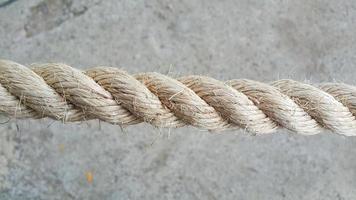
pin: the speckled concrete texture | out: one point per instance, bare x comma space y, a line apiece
307, 40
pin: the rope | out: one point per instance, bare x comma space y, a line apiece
63, 93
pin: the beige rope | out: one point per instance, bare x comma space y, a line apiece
63, 93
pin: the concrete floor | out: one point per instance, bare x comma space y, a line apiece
311, 40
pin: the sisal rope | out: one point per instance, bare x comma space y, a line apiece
63, 93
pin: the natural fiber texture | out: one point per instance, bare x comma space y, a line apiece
63, 93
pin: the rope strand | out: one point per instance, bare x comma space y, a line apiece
63, 93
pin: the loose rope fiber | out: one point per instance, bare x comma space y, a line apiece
63, 93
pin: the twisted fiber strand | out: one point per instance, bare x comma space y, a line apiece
63, 93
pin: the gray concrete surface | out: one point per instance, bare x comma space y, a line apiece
311, 40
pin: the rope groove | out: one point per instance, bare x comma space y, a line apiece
63, 93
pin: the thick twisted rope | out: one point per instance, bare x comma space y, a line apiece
63, 93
